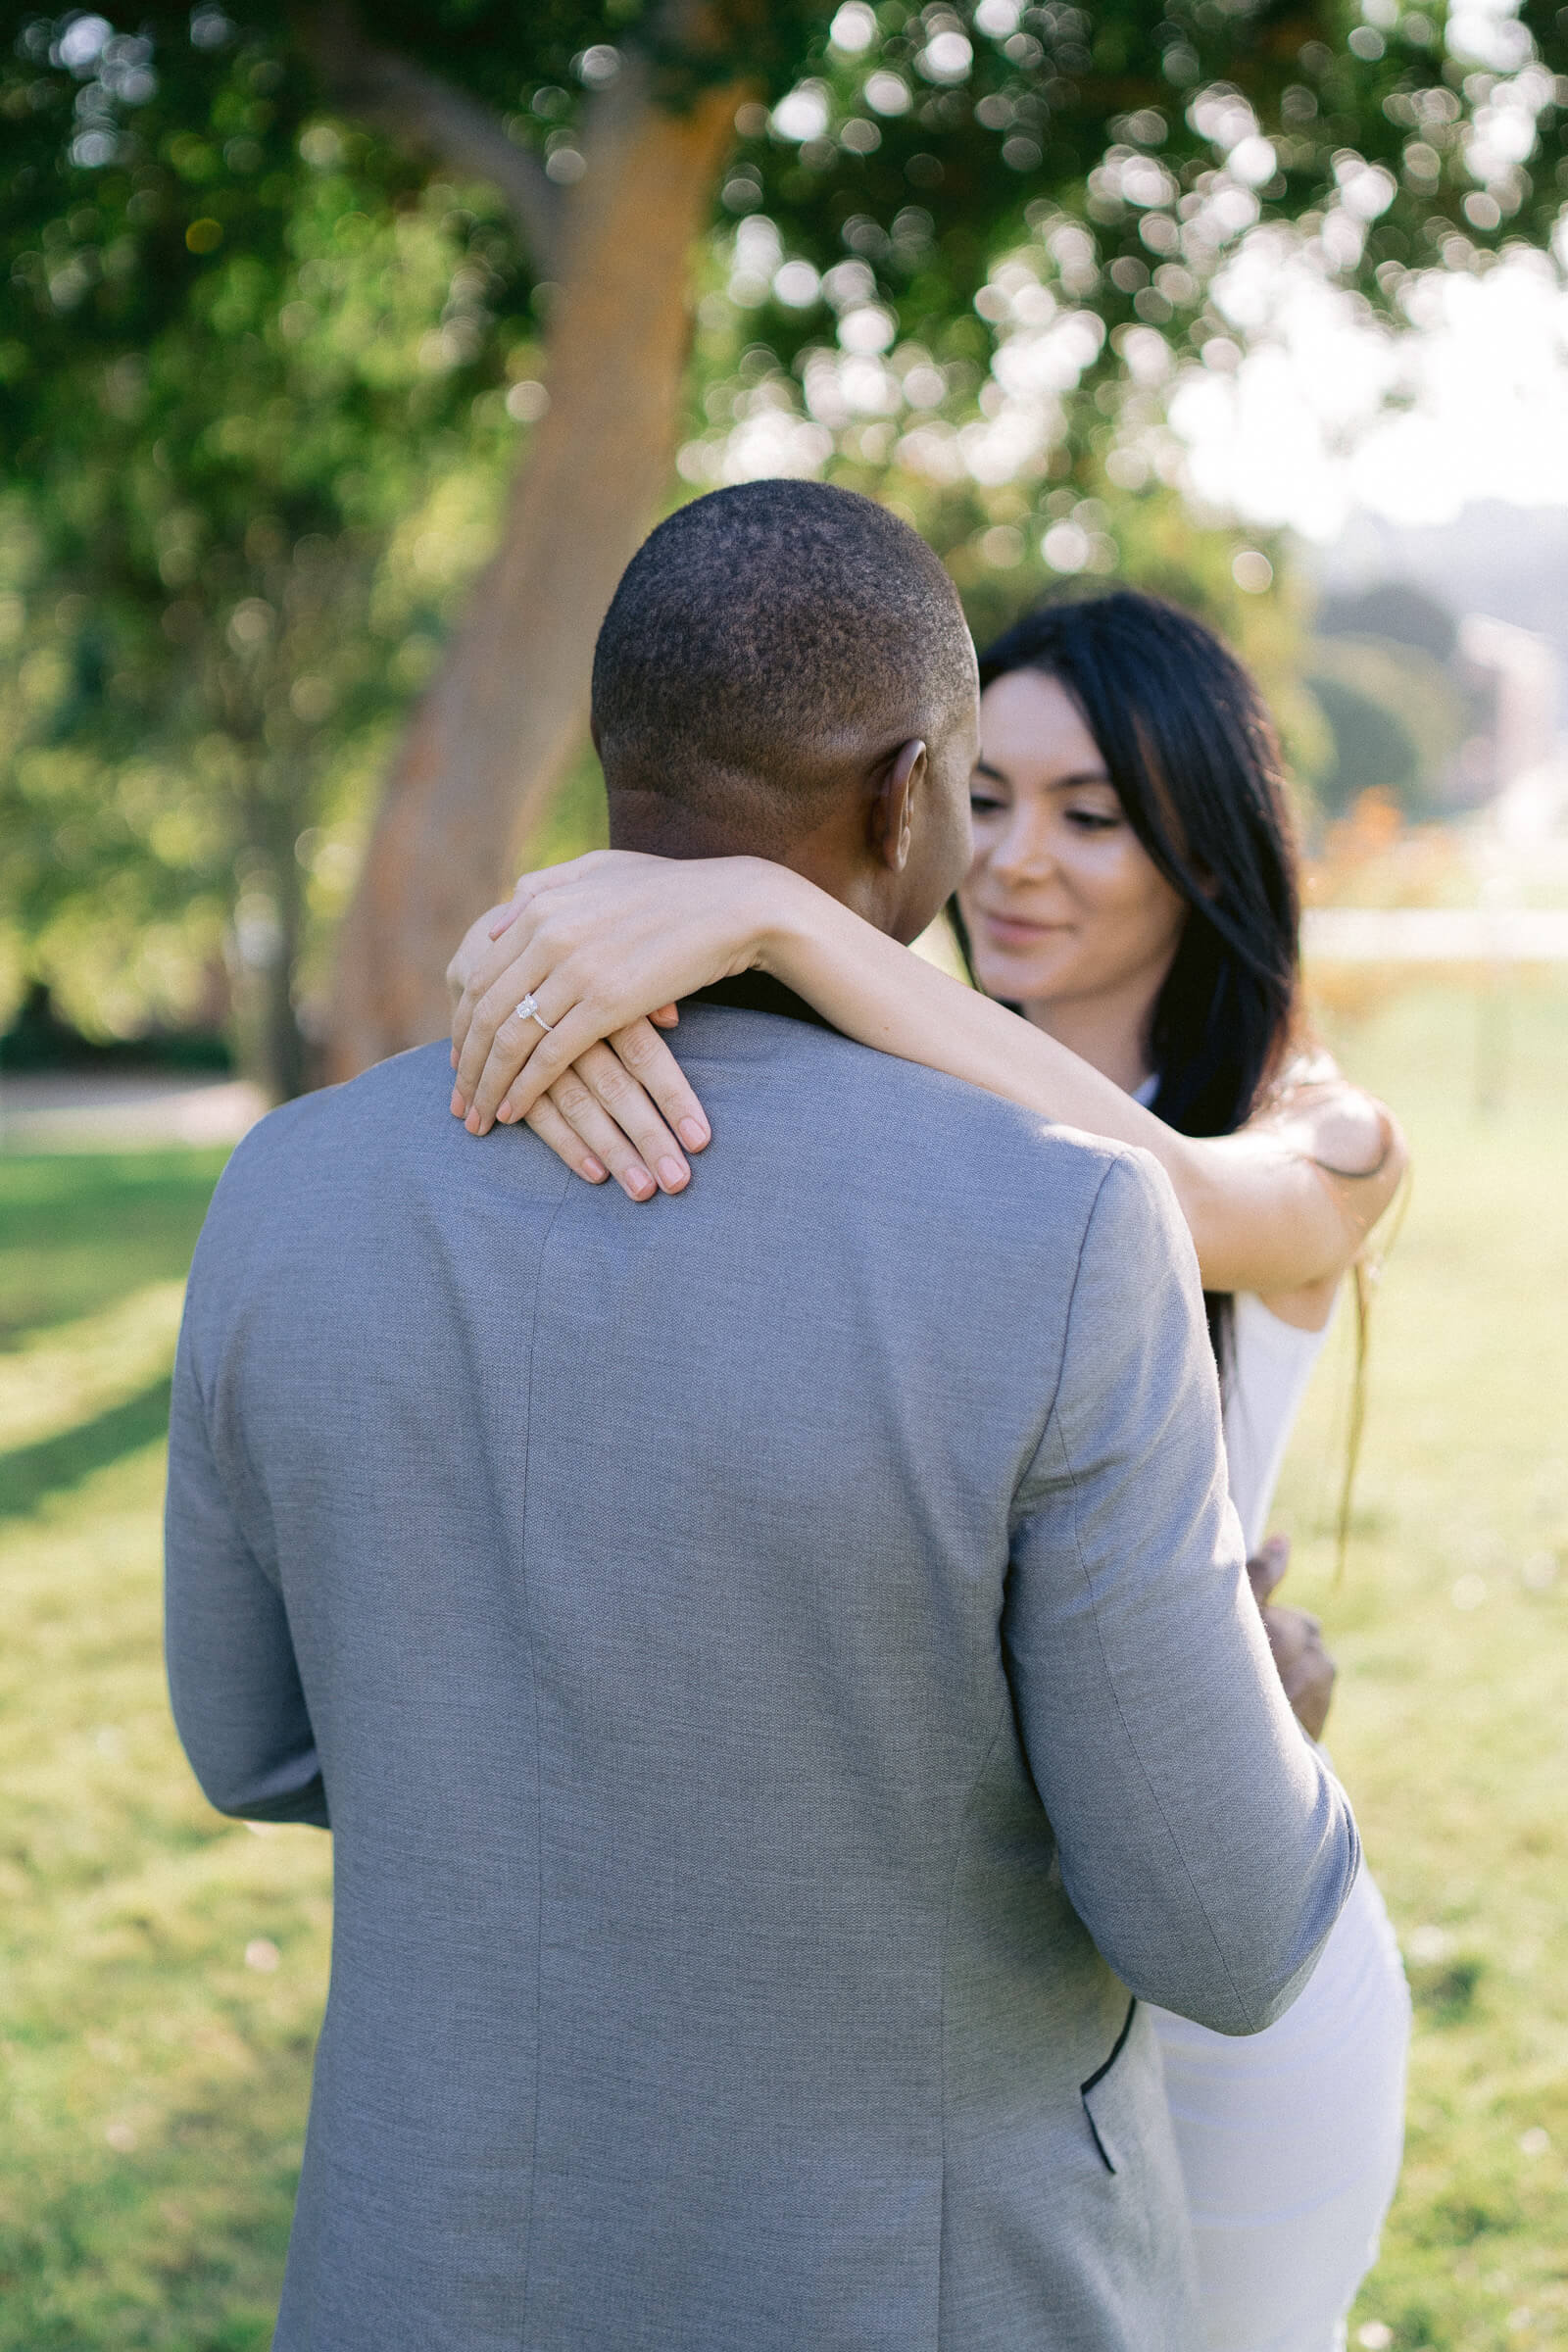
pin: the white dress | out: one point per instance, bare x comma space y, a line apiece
1290, 2140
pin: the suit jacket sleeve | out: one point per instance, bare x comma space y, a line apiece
1202, 1841
238, 1703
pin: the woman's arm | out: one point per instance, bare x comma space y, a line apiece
1264, 1212
605, 940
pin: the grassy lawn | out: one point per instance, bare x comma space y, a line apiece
163, 1971
1450, 1726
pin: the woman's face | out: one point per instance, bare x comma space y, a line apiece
1062, 901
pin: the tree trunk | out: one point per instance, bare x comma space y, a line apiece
505, 713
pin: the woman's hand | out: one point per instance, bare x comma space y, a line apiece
607, 1115
602, 1118
1357, 1155
603, 946
1294, 1639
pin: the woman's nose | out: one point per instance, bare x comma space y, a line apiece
1023, 854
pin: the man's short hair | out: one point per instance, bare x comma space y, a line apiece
761, 634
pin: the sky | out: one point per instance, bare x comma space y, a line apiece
1307, 410
1328, 414
1297, 434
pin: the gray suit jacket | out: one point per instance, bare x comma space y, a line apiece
777, 1668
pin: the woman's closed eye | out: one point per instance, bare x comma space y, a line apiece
1093, 820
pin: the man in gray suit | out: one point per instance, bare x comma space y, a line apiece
776, 1664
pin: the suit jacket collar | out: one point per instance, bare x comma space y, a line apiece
759, 991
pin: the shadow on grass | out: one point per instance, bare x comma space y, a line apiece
79, 1232
31, 1472
1445, 1994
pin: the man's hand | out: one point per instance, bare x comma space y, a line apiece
1296, 1640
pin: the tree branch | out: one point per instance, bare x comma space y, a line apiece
419, 111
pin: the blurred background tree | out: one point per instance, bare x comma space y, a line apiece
298, 289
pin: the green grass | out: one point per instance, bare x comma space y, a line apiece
1451, 1725
154, 2082
156, 2078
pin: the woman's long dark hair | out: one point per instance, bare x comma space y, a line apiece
1196, 762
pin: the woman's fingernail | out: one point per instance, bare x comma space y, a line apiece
639, 1183
504, 1113
459, 1106
594, 1170
693, 1134
471, 1122
671, 1175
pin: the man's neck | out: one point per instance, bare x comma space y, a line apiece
657, 827
648, 823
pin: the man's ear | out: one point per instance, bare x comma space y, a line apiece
892, 817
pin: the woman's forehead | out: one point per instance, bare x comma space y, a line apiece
1031, 722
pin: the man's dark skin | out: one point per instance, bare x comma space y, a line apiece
893, 846
895, 833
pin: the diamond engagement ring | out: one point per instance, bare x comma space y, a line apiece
528, 1010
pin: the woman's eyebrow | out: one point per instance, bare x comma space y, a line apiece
1080, 776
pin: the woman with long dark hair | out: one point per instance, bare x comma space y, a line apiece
1133, 904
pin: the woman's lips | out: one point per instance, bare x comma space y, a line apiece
1016, 931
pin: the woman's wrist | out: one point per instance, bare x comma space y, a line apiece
785, 917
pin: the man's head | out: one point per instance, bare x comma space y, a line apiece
785, 671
